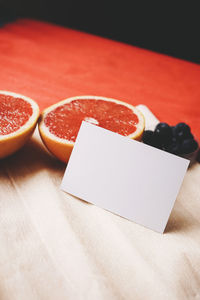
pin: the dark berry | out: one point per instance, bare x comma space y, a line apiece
174, 140
190, 136
163, 129
188, 146
158, 141
181, 131
173, 148
148, 137
183, 126
163, 133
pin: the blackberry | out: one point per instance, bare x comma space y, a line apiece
148, 137
163, 134
181, 131
188, 146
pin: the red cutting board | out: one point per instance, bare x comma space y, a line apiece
50, 63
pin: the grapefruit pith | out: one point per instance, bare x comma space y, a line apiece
18, 118
59, 124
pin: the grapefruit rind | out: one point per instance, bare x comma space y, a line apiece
13, 141
62, 148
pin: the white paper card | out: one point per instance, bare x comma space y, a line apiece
126, 177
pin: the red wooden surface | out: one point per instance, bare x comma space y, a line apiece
49, 63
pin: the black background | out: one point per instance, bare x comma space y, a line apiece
172, 28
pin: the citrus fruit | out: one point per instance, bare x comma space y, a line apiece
18, 118
59, 124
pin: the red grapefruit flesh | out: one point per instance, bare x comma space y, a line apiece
65, 120
60, 123
18, 118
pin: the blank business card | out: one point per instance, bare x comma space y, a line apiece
126, 177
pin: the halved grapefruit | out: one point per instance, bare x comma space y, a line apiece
18, 118
59, 124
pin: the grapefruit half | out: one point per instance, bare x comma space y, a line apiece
59, 124
18, 118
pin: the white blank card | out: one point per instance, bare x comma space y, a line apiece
126, 177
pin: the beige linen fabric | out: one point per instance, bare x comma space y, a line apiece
56, 247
